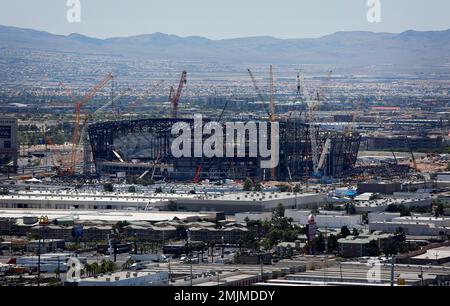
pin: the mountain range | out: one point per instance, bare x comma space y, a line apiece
410, 48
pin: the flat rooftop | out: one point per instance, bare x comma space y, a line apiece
438, 253
100, 215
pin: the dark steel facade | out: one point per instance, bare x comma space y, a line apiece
147, 140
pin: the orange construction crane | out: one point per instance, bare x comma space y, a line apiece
88, 97
175, 97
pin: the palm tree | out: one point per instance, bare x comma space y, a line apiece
88, 269
95, 269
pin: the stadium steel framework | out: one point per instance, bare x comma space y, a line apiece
136, 146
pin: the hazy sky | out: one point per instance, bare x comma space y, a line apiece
225, 18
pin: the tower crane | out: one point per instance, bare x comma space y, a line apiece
174, 97
88, 97
318, 161
257, 89
271, 112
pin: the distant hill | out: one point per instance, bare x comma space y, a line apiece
341, 48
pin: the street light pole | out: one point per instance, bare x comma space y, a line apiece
39, 263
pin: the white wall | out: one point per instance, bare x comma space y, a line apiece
331, 221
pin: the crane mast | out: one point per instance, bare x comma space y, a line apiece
88, 97
175, 97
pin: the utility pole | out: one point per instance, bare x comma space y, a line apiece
392, 270
170, 272
39, 263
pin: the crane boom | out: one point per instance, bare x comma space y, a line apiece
78, 106
175, 97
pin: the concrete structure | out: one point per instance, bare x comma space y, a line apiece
112, 216
437, 256
381, 205
252, 216
9, 147
355, 274
325, 219
443, 177
362, 245
251, 201
382, 216
124, 278
233, 235
411, 226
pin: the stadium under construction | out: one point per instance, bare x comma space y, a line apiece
143, 148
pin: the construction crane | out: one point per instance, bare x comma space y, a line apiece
312, 106
325, 152
75, 141
174, 97
413, 159
271, 112
113, 101
257, 89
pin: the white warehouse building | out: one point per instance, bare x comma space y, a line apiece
325, 219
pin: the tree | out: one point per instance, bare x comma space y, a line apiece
320, 243
258, 187
181, 231
332, 243
439, 210
172, 206
372, 249
132, 189
392, 208
355, 232
279, 211
119, 226
297, 188
404, 211
248, 184
158, 190
345, 232
108, 187
350, 209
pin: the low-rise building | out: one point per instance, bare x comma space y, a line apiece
252, 216
380, 205
363, 245
325, 219
252, 202
125, 278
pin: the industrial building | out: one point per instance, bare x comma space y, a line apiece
360, 246
415, 226
325, 219
141, 146
380, 205
251, 202
9, 146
